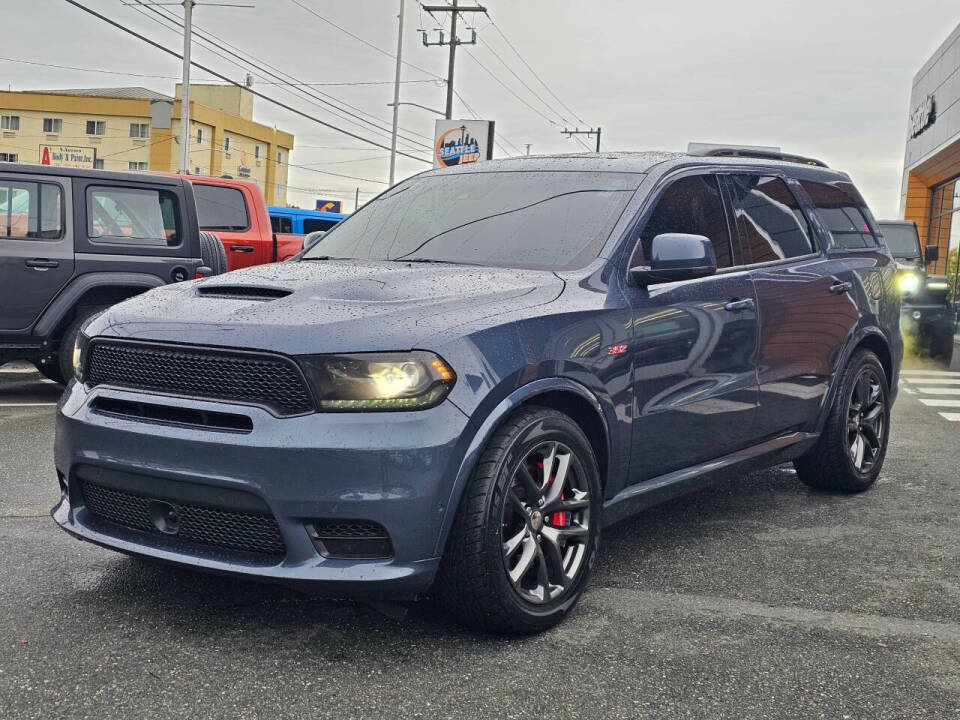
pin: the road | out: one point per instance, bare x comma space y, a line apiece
754, 599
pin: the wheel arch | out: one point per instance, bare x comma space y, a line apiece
559, 393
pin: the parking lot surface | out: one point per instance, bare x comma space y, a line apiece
757, 598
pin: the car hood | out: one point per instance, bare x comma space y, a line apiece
328, 306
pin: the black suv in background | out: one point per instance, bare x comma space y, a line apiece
73, 242
928, 317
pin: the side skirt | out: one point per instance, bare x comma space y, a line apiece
657, 490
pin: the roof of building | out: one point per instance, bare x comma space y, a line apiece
125, 93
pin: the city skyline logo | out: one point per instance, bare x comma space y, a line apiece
457, 147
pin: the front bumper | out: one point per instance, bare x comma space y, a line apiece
394, 469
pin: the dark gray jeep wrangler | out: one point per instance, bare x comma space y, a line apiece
74, 241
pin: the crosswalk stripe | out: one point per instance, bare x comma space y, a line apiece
952, 417
933, 381
939, 402
908, 390
935, 373
939, 390
28, 404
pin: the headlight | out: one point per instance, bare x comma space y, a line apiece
79, 352
937, 286
378, 381
908, 283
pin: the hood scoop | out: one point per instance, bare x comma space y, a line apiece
242, 292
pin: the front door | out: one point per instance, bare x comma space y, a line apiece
694, 342
36, 247
807, 311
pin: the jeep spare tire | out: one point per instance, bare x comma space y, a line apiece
212, 253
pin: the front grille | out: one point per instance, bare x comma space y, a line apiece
196, 524
244, 377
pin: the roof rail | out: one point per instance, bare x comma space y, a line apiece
700, 150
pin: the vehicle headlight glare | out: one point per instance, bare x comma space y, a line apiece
908, 283
362, 382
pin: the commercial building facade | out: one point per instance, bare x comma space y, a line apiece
930, 191
124, 129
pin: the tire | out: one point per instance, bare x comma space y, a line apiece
832, 464
51, 371
473, 583
942, 344
212, 253
67, 341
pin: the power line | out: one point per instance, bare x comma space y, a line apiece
175, 54
201, 34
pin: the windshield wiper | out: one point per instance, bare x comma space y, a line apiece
432, 261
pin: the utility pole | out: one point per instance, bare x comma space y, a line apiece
454, 10
571, 133
396, 98
528, 147
356, 201
185, 88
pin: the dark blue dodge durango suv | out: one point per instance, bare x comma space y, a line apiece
462, 382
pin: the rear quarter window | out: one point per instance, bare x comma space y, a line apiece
132, 216
843, 212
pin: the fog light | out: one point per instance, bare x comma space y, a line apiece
916, 314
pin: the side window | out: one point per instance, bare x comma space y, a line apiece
281, 224
771, 224
132, 216
221, 208
310, 226
691, 205
844, 214
31, 211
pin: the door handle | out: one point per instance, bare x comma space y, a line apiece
241, 248
838, 288
739, 305
42, 263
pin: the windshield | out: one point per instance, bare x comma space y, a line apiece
902, 240
540, 220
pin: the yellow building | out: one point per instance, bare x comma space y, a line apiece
111, 128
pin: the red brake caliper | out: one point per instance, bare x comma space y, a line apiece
557, 519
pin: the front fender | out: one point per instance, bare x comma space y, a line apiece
486, 427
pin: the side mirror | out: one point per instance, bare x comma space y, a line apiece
204, 271
931, 253
676, 256
312, 239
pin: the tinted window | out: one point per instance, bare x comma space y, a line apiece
221, 208
310, 226
281, 224
770, 221
545, 220
691, 205
902, 240
30, 210
132, 216
844, 215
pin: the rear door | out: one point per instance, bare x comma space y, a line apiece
36, 246
694, 342
226, 211
806, 308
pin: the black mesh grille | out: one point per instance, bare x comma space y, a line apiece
198, 524
268, 380
349, 529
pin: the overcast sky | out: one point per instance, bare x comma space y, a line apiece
827, 78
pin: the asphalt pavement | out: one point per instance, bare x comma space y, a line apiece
758, 598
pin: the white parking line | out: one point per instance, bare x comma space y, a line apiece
933, 381
940, 390
934, 373
908, 390
28, 404
939, 402
952, 417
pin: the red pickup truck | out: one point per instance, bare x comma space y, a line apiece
237, 212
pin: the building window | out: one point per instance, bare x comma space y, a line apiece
9, 157
98, 164
9, 122
53, 126
137, 165
197, 171
199, 136
139, 130
96, 127
227, 144
257, 154
279, 158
